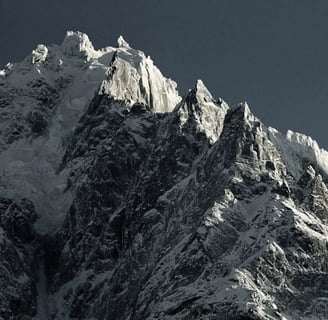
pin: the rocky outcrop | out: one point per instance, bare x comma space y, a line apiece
19, 245
148, 207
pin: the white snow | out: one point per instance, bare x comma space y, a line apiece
295, 146
29, 166
40, 54
121, 43
78, 44
134, 78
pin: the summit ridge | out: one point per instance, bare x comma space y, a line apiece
121, 200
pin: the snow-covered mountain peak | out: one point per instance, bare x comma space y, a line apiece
242, 108
217, 215
199, 85
199, 111
246, 146
201, 95
133, 78
78, 44
42, 99
241, 112
243, 115
202, 92
121, 43
297, 148
40, 54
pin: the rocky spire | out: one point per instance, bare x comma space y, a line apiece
133, 78
121, 43
78, 44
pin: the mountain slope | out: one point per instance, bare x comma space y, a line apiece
149, 206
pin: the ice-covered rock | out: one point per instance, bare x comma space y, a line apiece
39, 55
199, 110
133, 78
121, 43
120, 200
78, 44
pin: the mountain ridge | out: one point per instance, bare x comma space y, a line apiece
135, 203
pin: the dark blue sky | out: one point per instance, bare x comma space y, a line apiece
273, 54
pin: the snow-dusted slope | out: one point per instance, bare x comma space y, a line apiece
42, 100
132, 77
297, 147
148, 206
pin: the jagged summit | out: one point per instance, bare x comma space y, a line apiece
199, 110
40, 54
201, 88
243, 110
202, 92
119, 200
121, 43
133, 78
243, 107
77, 44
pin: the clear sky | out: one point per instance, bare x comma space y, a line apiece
271, 53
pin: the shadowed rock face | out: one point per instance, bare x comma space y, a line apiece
19, 244
189, 210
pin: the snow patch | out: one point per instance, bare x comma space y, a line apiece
40, 54
78, 44
294, 147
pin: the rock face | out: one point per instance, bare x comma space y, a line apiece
120, 200
19, 246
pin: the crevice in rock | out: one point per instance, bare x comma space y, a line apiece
41, 282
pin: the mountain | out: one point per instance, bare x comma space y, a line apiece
121, 200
